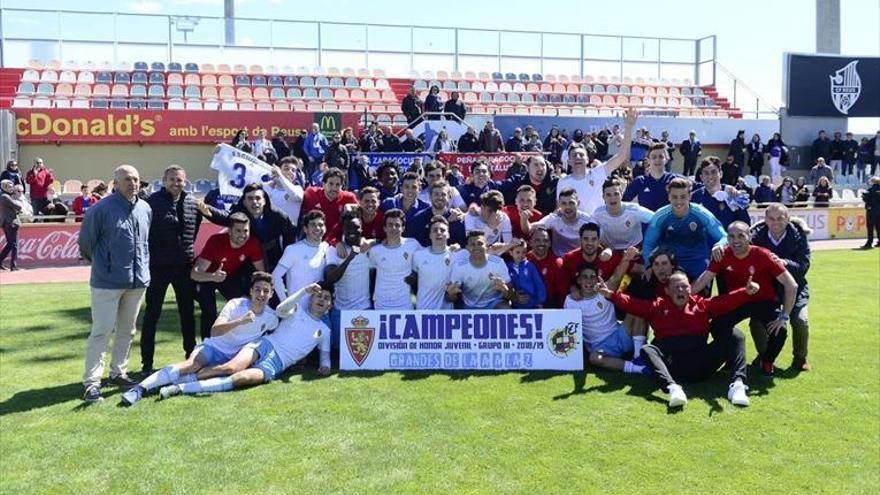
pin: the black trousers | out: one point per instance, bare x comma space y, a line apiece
11, 247
691, 359
184, 288
206, 295
764, 311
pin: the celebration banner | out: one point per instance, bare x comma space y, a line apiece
461, 340
498, 162
73, 125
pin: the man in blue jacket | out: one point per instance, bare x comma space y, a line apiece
114, 237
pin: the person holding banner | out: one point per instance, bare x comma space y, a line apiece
300, 331
679, 351
392, 260
419, 228
587, 179
481, 280
432, 267
303, 262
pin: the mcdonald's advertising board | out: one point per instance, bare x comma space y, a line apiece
35, 125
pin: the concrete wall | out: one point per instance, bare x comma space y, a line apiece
94, 161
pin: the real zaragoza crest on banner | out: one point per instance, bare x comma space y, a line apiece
846, 85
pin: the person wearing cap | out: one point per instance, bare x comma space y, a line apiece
690, 149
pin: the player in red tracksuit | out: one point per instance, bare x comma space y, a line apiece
680, 351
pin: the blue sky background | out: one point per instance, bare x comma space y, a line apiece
752, 34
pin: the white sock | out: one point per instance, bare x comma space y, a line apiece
638, 342
218, 384
162, 377
629, 367
186, 378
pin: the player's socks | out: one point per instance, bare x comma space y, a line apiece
164, 376
211, 385
629, 367
638, 342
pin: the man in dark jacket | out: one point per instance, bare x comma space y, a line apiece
411, 106
787, 239
173, 230
270, 225
455, 106
468, 142
821, 147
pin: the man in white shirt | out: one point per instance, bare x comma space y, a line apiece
588, 181
565, 223
481, 279
283, 191
432, 267
300, 331
621, 222
242, 321
303, 262
392, 260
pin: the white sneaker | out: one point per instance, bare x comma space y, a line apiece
736, 394
677, 398
169, 391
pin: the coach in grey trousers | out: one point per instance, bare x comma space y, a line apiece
114, 238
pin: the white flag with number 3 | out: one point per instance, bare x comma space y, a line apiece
236, 169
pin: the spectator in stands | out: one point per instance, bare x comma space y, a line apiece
670, 149
10, 221
756, 151
83, 202
369, 141
337, 155
411, 144
262, 143
389, 142
279, 143
469, 142
173, 230
690, 149
269, 225
730, 170
737, 148
764, 193
554, 144
515, 143
411, 106
480, 183
443, 143
865, 158
433, 103
821, 148
821, 169
822, 193
241, 142
315, 146
650, 188
490, 139
871, 197
533, 143
850, 154
836, 147
387, 179
455, 106
40, 179
802, 197
55, 207
786, 192
12, 173
112, 237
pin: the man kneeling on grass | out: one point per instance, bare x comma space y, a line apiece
680, 351
260, 362
242, 321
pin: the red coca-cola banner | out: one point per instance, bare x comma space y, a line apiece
56, 244
498, 162
72, 125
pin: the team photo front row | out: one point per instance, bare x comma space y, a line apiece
628, 270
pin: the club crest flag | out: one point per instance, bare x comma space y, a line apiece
236, 169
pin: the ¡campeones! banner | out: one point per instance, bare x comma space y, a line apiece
461, 340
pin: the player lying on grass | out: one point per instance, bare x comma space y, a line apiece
679, 351
299, 332
242, 321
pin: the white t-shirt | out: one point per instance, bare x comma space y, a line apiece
289, 202
503, 233
434, 270
565, 235
232, 341
477, 289
297, 335
353, 289
392, 266
589, 189
454, 202
624, 230
301, 264
598, 318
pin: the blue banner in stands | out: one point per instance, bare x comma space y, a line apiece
832, 86
403, 160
